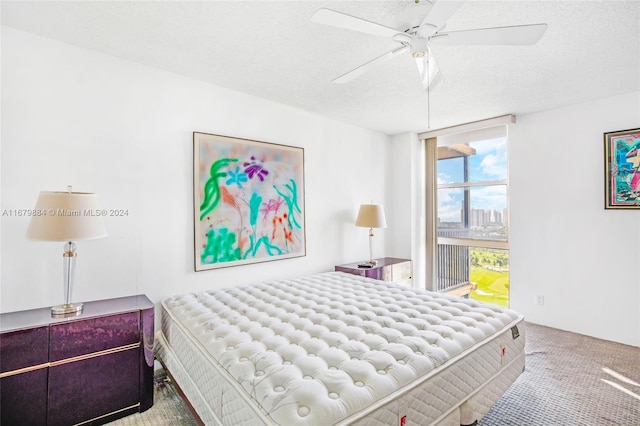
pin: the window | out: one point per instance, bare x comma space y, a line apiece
469, 214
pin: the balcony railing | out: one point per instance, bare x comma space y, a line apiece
453, 262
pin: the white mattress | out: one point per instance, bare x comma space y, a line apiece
336, 348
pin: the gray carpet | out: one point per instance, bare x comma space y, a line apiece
168, 407
569, 379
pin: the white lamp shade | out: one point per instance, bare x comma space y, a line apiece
66, 216
371, 216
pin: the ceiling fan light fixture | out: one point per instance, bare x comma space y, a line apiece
418, 47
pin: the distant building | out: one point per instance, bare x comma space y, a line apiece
484, 217
480, 218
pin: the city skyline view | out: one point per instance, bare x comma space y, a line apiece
487, 164
480, 217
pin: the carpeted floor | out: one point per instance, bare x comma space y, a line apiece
168, 407
569, 379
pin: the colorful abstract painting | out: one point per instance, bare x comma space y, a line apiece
248, 201
622, 169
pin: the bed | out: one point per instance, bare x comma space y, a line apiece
338, 349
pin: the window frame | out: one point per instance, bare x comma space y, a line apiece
432, 240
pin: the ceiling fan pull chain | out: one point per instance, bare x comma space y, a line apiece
428, 101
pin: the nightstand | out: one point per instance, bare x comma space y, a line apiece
87, 369
399, 271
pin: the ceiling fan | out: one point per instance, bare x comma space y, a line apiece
420, 26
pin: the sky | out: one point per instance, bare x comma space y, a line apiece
489, 164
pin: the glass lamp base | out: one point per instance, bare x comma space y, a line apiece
67, 310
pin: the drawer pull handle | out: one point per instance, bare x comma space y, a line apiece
68, 360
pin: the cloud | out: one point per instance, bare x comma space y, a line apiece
495, 164
449, 204
489, 197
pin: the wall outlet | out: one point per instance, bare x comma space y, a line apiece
540, 300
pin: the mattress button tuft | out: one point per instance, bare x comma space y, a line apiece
303, 411
259, 373
279, 389
333, 395
359, 383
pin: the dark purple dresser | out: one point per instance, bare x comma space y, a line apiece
88, 369
393, 269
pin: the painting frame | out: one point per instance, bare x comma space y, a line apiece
248, 201
622, 169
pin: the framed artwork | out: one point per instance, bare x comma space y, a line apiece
622, 169
248, 201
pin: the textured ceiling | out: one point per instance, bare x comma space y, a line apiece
271, 49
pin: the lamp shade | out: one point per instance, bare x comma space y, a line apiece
66, 216
371, 216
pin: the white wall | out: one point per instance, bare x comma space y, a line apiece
398, 189
583, 259
124, 131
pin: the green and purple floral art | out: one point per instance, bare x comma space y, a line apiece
249, 201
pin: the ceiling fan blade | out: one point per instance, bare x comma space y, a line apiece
439, 14
430, 74
342, 20
518, 35
346, 77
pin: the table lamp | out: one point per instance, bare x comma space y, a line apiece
371, 216
67, 216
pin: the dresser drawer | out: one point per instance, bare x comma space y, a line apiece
85, 389
83, 337
23, 398
402, 271
23, 348
397, 272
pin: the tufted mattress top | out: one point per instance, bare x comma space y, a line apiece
318, 349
